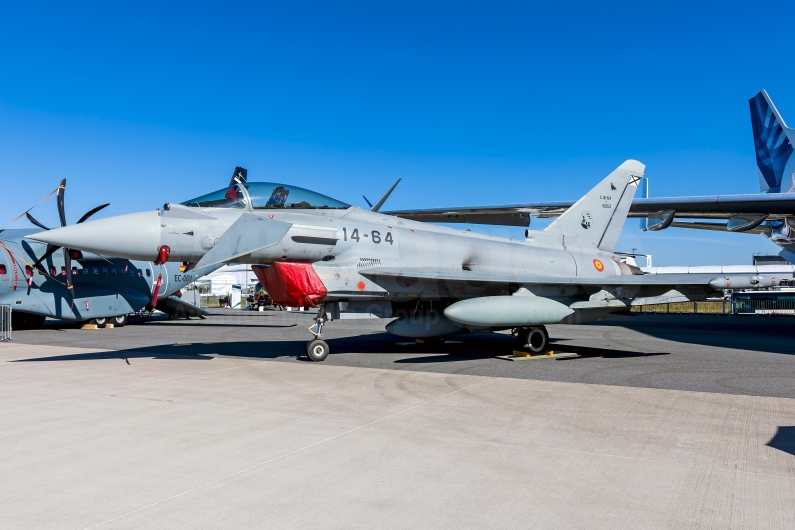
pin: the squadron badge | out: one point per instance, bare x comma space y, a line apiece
585, 220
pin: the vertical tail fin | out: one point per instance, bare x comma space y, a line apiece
773, 145
596, 220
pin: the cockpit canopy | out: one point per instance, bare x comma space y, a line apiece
266, 196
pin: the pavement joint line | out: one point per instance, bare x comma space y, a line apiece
33, 385
103, 391
175, 377
295, 451
666, 462
18, 403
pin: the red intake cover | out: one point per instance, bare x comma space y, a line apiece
291, 284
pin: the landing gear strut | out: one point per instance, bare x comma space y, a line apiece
317, 349
535, 339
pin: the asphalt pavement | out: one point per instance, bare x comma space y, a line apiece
703, 353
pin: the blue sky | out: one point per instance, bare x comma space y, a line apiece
488, 103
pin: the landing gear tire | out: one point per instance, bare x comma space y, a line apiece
119, 321
535, 339
317, 350
100, 322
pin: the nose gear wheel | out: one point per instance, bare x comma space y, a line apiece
317, 349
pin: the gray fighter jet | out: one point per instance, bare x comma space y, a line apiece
311, 250
40, 281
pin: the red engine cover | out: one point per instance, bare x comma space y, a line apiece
292, 284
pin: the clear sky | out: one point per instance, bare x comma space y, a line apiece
141, 104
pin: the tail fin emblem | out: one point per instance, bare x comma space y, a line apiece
585, 221
612, 187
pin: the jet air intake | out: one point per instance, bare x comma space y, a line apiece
518, 310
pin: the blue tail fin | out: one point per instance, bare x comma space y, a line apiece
773, 146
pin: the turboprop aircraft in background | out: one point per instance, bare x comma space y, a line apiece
38, 281
771, 212
436, 280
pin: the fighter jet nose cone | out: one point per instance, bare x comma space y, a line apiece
131, 236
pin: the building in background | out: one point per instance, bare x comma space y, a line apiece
769, 259
223, 281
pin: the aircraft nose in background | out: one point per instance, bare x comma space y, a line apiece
131, 236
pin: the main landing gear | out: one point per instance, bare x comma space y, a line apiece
535, 339
317, 349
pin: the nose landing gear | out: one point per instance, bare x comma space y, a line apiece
316, 349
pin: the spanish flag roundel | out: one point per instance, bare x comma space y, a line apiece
599, 265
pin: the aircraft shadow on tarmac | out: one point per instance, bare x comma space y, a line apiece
229, 325
481, 349
57, 325
466, 348
191, 351
737, 332
783, 440
195, 350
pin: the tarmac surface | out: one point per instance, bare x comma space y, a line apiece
662, 422
703, 353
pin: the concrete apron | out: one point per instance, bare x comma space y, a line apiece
229, 442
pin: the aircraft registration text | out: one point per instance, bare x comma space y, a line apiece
374, 236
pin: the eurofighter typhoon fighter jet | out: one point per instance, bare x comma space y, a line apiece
40, 281
311, 250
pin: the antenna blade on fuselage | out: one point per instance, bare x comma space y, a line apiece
380, 202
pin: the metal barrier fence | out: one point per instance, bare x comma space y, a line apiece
704, 307
5, 323
764, 307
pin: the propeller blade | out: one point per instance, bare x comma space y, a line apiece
67, 259
34, 221
46, 255
61, 211
92, 212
